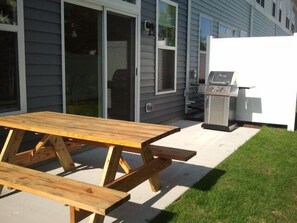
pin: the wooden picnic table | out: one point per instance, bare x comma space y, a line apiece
116, 135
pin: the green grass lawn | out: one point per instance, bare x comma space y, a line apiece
258, 183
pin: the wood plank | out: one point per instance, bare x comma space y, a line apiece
110, 168
77, 215
129, 181
45, 153
125, 165
86, 196
95, 218
112, 132
111, 165
62, 153
40, 144
172, 153
11, 146
147, 157
108, 175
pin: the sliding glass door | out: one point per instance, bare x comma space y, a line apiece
83, 60
121, 66
97, 85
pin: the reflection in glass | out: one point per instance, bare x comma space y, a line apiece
8, 12
226, 32
83, 61
130, 1
166, 68
121, 66
205, 31
9, 84
167, 24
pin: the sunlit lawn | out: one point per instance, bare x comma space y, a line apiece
258, 183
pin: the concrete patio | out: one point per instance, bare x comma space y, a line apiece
212, 148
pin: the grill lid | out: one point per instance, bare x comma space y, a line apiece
222, 77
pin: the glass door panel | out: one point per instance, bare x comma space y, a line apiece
121, 66
83, 60
9, 75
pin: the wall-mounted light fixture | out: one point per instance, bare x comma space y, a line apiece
150, 27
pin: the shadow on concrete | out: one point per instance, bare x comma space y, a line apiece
179, 174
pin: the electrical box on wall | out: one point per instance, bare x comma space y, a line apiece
149, 107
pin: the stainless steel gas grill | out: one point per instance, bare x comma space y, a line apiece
221, 93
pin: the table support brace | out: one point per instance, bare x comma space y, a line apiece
11, 146
62, 153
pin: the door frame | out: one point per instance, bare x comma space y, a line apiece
137, 61
133, 12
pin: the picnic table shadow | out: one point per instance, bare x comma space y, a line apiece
177, 174
182, 174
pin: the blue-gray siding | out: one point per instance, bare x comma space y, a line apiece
42, 20
44, 61
168, 106
233, 14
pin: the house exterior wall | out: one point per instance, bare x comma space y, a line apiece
43, 49
243, 17
44, 62
234, 14
43, 54
171, 105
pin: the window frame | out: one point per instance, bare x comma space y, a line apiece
280, 15
19, 30
172, 48
211, 30
235, 31
274, 9
261, 3
287, 22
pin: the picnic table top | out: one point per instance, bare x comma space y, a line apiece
108, 131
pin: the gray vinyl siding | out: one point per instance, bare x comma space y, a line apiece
232, 14
42, 21
262, 25
168, 106
279, 31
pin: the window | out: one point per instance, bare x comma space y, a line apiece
273, 9
287, 23
292, 28
261, 2
225, 32
167, 47
243, 33
205, 31
12, 78
280, 16
130, 1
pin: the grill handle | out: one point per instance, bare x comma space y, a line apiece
220, 83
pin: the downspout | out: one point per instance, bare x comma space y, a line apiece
186, 94
252, 20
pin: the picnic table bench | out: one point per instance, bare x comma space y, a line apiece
63, 133
76, 194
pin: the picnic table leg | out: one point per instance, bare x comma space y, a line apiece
11, 146
62, 153
109, 172
154, 180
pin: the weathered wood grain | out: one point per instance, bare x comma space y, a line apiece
108, 131
78, 194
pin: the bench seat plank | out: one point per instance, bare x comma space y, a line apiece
74, 193
172, 153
